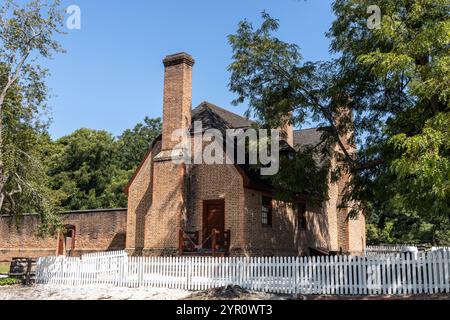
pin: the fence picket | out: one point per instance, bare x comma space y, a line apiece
446, 255
435, 275
389, 274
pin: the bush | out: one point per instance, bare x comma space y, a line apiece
9, 282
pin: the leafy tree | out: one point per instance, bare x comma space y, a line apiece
399, 77
387, 91
89, 169
24, 141
134, 144
83, 166
26, 34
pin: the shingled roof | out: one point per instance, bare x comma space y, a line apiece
230, 120
215, 117
307, 138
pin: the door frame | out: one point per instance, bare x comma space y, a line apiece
205, 213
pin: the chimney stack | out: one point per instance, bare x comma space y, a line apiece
343, 120
287, 133
287, 130
177, 103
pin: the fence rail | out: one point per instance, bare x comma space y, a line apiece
339, 275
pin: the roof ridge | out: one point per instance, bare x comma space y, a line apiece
308, 129
233, 119
207, 103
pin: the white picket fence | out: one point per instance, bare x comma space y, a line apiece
339, 275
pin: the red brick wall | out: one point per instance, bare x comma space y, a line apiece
153, 222
284, 237
156, 197
177, 97
96, 231
140, 199
218, 182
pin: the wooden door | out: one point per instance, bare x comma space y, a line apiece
60, 244
213, 218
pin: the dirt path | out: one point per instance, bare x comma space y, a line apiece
49, 292
41, 292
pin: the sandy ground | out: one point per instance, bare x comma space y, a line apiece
51, 292
48, 292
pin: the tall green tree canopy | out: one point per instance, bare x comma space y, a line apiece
134, 143
399, 75
25, 142
395, 82
82, 168
89, 169
26, 34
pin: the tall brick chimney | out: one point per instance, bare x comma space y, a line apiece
287, 130
287, 133
177, 96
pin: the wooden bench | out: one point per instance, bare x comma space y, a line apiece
24, 269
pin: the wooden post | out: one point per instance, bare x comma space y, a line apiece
214, 242
74, 233
227, 240
28, 272
60, 244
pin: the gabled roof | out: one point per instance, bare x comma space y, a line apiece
232, 120
215, 117
307, 138
209, 118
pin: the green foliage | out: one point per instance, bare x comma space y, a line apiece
395, 80
27, 33
9, 282
399, 76
84, 170
89, 169
134, 144
24, 138
423, 168
82, 167
309, 178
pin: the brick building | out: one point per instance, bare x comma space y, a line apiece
199, 208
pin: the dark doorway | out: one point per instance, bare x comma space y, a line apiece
66, 241
213, 219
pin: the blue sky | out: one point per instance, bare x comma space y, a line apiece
112, 74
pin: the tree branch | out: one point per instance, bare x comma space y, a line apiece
323, 110
370, 164
18, 190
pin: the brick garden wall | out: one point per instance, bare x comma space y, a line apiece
96, 231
